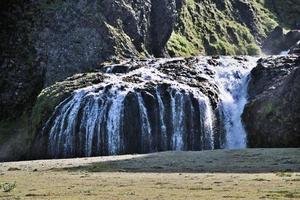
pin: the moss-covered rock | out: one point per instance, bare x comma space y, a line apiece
51, 96
231, 27
47, 41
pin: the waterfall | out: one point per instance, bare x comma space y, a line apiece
232, 80
145, 127
153, 107
284, 53
114, 123
178, 120
162, 120
207, 123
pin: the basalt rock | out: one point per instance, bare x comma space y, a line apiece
272, 115
44, 42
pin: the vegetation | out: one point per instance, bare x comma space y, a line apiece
221, 174
205, 28
286, 12
8, 187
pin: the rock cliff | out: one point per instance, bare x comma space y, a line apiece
272, 115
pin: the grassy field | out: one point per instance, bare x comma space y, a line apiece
221, 174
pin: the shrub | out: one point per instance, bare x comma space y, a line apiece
8, 187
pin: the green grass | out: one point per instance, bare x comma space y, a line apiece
220, 174
205, 29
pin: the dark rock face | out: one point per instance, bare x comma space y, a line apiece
277, 41
43, 42
247, 15
163, 19
272, 114
287, 12
21, 72
295, 49
78, 35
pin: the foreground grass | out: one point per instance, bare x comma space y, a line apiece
222, 174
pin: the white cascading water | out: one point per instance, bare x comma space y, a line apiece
284, 53
146, 128
207, 121
113, 122
177, 116
92, 119
162, 120
232, 80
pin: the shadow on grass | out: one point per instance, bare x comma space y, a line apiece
218, 161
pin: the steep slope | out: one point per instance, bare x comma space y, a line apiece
227, 27
287, 12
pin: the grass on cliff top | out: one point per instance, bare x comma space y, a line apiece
205, 29
286, 12
221, 174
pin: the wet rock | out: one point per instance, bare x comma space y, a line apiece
278, 42
272, 115
295, 49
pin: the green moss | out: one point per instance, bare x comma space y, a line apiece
266, 20
253, 49
222, 47
204, 28
268, 108
50, 97
178, 45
